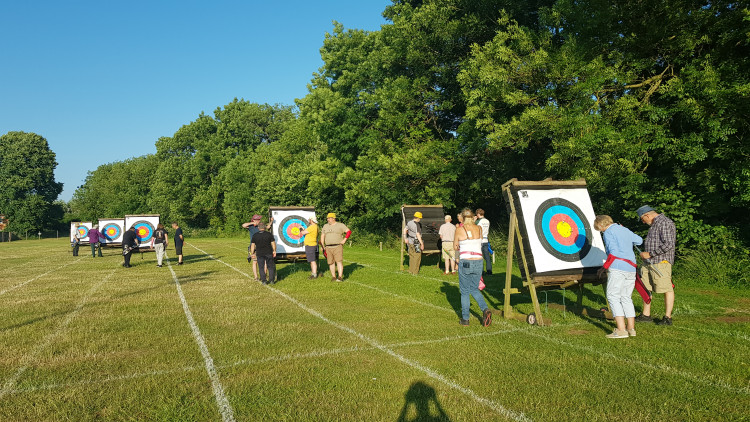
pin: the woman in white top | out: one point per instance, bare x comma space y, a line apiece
468, 246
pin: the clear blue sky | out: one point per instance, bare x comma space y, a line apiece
103, 80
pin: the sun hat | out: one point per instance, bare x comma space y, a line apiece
313, 219
417, 214
331, 215
643, 210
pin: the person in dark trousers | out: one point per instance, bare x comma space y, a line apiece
263, 246
129, 242
179, 240
76, 243
95, 238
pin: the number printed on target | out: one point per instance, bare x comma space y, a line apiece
290, 229
563, 229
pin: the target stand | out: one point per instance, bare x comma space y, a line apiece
551, 225
433, 216
288, 223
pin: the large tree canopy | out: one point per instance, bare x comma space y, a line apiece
28, 188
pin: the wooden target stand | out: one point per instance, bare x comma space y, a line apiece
533, 281
432, 217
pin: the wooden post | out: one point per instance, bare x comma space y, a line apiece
401, 237
381, 246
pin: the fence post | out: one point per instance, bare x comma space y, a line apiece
381, 246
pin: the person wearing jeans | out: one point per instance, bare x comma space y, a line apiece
468, 245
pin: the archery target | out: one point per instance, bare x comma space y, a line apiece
287, 226
144, 225
559, 226
82, 230
144, 231
112, 230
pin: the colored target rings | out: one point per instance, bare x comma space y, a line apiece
83, 231
144, 230
290, 230
563, 230
111, 231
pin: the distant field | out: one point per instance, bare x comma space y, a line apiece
85, 339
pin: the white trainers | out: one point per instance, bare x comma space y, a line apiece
631, 333
618, 334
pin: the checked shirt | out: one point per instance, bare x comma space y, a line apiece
660, 241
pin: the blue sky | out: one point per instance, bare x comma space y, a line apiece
102, 81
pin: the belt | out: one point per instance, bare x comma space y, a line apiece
335, 244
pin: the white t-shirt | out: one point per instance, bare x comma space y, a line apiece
485, 225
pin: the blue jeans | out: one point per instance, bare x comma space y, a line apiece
487, 256
620, 285
469, 273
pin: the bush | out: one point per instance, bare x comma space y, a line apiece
716, 266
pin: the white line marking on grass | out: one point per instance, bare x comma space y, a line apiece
227, 414
497, 407
703, 378
27, 359
36, 278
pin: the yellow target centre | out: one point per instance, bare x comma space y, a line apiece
142, 232
295, 231
564, 229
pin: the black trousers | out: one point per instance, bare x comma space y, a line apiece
127, 258
264, 260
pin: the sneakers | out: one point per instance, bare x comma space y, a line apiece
464, 322
631, 333
333, 279
486, 318
618, 334
312, 277
340, 280
664, 321
643, 318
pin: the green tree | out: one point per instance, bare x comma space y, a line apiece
28, 190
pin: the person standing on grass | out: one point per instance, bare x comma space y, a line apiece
311, 246
95, 238
485, 225
620, 267
333, 237
468, 246
659, 248
253, 227
76, 241
447, 232
263, 246
412, 236
129, 242
161, 239
179, 240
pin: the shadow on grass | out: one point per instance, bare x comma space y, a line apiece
423, 399
35, 320
453, 296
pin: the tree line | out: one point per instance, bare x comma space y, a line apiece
648, 101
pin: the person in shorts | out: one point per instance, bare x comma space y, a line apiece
658, 252
311, 246
333, 237
447, 231
179, 240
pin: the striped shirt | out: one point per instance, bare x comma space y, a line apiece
660, 240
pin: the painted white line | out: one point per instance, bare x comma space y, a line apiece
227, 413
706, 379
497, 407
27, 359
36, 278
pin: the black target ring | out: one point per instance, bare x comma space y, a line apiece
563, 230
289, 230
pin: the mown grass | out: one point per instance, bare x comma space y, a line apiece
85, 339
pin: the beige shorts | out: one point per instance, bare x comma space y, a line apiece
654, 282
448, 252
335, 254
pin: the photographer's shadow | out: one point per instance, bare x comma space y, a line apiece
423, 399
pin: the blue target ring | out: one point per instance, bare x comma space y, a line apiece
563, 230
83, 231
289, 230
111, 231
144, 230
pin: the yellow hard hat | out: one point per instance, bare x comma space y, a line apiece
417, 214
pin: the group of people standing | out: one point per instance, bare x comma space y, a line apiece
262, 250
95, 241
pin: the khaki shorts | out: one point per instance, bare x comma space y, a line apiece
448, 252
654, 282
335, 254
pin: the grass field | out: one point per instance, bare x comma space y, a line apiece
85, 339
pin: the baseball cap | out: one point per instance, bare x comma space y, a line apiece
417, 214
331, 215
257, 217
643, 210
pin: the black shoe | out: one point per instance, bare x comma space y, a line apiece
312, 277
179, 263
159, 266
664, 321
643, 318
489, 272
265, 283
464, 322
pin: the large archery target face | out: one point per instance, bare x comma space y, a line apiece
563, 230
144, 231
287, 225
559, 229
112, 230
82, 230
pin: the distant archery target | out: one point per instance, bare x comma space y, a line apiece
83, 231
290, 229
563, 230
111, 231
144, 230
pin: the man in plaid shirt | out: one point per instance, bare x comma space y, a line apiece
658, 251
